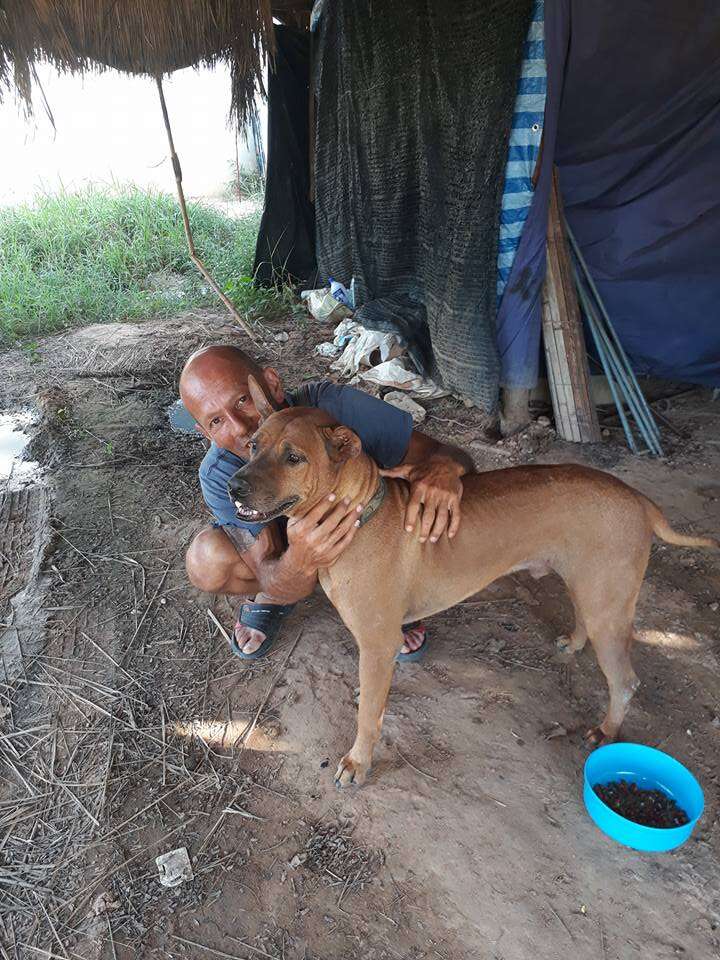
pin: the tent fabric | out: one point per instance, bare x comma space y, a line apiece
524, 145
634, 93
410, 203
285, 248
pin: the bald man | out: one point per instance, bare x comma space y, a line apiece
273, 565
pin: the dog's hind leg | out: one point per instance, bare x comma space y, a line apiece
377, 661
613, 654
566, 646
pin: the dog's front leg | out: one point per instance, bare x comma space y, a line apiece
377, 661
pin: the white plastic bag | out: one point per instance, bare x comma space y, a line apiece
364, 348
323, 305
394, 373
403, 402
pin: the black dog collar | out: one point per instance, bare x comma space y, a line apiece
374, 503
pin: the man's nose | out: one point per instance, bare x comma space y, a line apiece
243, 424
238, 487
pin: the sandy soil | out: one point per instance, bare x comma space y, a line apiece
122, 717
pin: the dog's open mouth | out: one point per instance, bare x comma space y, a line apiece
257, 516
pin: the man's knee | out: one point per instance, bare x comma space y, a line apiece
209, 560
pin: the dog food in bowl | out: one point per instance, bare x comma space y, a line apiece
626, 780
651, 808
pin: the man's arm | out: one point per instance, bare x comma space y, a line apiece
434, 471
315, 541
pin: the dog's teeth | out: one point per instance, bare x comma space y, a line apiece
238, 505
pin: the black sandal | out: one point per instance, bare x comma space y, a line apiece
265, 617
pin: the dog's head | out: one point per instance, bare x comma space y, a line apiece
297, 454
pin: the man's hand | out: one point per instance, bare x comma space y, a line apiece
316, 540
435, 489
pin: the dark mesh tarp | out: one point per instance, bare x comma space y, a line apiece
414, 106
285, 247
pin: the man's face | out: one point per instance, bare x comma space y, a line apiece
217, 395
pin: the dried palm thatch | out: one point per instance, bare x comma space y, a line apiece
149, 37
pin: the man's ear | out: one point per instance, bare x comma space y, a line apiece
341, 443
262, 404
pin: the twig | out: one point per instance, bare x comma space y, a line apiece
249, 730
249, 946
52, 926
218, 953
416, 769
110, 935
112, 532
567, 929
78, 552
220, 627
113, 661
164, 747
244, 813
147, 611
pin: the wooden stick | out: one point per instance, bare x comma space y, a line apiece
177, 170
416, 769
568, 375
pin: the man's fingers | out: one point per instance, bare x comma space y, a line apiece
413, 509
335, 518
454, 518
348, 523
428, 518
441, 522
315, 516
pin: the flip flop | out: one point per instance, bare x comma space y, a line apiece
265, 617
415, 655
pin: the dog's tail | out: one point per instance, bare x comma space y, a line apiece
662, 529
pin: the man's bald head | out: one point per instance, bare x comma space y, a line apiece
209, 363
214, 388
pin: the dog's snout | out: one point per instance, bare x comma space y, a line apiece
238, 486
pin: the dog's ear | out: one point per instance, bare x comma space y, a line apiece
262, 404
341, 443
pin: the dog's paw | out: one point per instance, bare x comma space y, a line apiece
596, 737
350, 772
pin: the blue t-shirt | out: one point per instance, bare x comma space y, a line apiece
384, 432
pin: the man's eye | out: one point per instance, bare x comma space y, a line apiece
215, 421
294, 458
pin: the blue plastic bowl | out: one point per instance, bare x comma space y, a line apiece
652, 770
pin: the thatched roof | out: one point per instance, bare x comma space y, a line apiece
139, 36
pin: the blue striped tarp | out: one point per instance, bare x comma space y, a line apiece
524, 146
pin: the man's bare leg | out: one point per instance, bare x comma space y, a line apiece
215, 564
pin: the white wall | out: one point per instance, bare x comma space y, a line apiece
109, 127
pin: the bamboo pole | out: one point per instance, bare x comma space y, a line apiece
177, 170
575, 415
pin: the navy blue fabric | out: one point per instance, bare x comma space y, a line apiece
383, 430
638, 150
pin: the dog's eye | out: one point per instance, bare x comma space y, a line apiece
294, 458
253, 447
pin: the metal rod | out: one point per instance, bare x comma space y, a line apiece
628, 389
649, 435
177, 170
592, 323
613, 333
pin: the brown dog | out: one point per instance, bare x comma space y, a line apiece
590, 528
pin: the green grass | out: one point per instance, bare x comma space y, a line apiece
71, 259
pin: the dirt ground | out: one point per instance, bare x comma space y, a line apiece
124, 722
